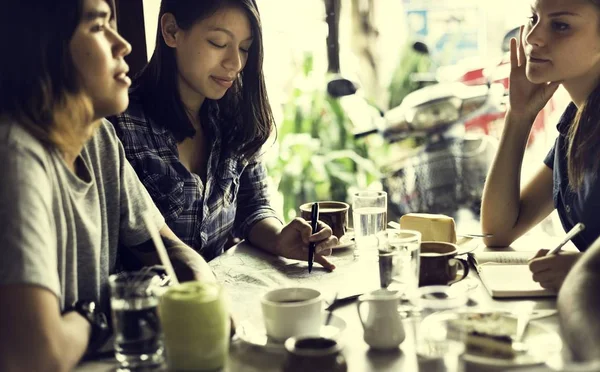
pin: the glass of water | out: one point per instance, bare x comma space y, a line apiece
138, 335
399, 263
440, 343
369, 213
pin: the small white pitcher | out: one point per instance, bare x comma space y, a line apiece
383, 325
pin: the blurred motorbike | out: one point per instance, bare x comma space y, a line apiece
446, 171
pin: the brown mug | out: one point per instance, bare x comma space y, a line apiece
333, 213
439, 265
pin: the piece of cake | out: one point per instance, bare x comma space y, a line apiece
486, 333
433, 227
489, 345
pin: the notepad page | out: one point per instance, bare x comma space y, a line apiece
511, 281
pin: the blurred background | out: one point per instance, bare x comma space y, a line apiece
427, 81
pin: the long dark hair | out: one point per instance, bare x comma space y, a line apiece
583, 141
245, 109
39, 85
583, 137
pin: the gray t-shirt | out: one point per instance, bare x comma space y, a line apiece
60, 231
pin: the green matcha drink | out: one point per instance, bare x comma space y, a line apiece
195, 321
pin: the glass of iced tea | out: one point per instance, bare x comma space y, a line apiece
138, 335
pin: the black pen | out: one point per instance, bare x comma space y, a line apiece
314, 218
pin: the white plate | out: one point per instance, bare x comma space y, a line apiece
542, 344
255, 334
468, 245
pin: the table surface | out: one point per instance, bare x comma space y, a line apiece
247, 272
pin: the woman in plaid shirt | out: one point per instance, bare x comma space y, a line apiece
197, 119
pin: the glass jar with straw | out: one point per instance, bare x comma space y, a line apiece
195, 319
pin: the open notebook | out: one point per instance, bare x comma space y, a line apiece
506, 274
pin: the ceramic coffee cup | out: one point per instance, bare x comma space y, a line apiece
333, 213
439, 265
292, 312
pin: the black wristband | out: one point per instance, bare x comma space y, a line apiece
99, 325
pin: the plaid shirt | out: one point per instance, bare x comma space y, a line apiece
203, 215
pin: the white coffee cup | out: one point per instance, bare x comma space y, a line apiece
292, 312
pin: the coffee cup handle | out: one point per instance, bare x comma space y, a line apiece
358, 308
465, 268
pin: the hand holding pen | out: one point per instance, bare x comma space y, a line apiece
550, 268
295, 239
570, 235
314, 219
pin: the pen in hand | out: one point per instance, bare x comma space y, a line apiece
314, 218
570, 235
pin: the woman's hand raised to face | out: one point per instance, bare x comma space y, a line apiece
527, 99
294, 238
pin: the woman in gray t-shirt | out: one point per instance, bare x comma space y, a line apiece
68, 196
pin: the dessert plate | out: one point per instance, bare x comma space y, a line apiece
468, 245
254, 334
542, 343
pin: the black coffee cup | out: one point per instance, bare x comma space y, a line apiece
333, 213
439, 264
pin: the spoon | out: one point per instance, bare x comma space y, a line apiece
475, 235
524, 311
330, 311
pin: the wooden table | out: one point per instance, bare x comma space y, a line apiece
247, 272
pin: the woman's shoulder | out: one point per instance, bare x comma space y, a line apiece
133, 118
136, 128
16, 138
136, 118
566, 119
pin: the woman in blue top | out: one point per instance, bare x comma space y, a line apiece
197, 119
559, 46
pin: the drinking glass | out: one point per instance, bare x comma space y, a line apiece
138, 335
196, 324
369, 214
399, 262
399, 265
440, 345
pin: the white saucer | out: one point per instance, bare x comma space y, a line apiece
468, 245
254, 334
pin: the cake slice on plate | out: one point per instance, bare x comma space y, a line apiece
487, 334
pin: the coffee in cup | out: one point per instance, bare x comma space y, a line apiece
333, 213
292, 312
439, 265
